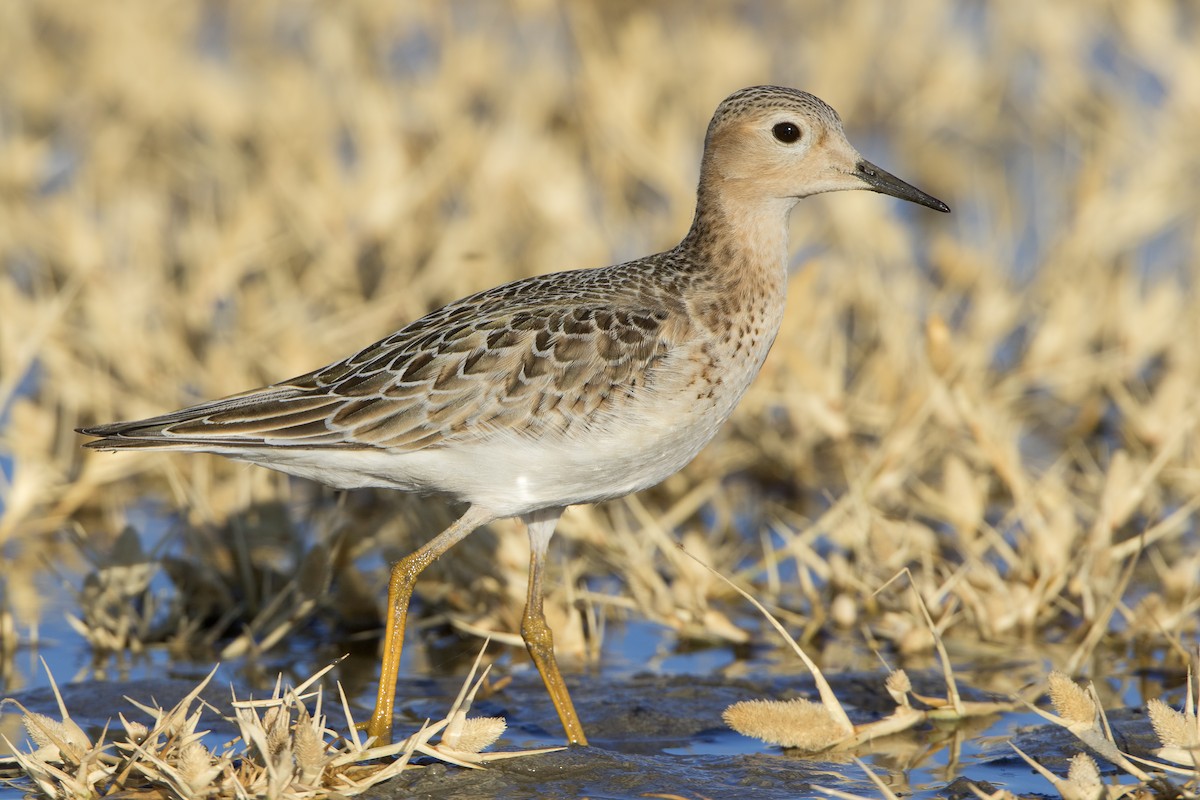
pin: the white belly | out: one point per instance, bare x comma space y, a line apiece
506, 474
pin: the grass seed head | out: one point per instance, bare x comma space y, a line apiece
1085, 775
479, 733
800, 724
1070, 700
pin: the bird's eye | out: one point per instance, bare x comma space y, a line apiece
786, 132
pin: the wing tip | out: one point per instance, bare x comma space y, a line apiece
121, 435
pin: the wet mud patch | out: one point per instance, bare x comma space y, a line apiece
657, 735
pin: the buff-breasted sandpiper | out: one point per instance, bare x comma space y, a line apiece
574, 387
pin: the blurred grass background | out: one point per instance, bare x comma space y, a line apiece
197, 198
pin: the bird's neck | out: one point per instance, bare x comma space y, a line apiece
739, 241
736, 252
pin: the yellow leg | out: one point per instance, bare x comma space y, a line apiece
400, 589
539, 639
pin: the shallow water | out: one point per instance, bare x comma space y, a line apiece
652, 711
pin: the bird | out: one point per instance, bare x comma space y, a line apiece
555, 390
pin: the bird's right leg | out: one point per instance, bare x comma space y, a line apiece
539, 639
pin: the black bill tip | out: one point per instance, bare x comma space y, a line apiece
884, 182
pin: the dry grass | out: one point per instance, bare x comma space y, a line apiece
284, 748
200, 198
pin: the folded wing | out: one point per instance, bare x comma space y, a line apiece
467, 372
